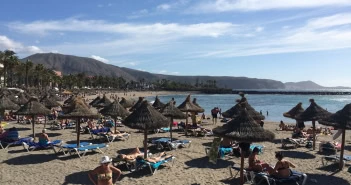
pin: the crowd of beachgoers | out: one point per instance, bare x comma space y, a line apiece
110, 151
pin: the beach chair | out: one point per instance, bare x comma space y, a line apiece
66, 148
110, 138
262, 178
7, 144
294, 142
98, 133
140, 163
335, 159
81, 151
130, 164
166, 143
33, 145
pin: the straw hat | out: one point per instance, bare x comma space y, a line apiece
105, 159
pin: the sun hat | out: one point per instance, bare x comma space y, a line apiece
105, 159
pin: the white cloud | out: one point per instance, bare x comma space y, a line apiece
164, 7
6, 43
131, 63
175, 73
257, 5
163, 72
213, 29
259, 29
99, 58
138, 14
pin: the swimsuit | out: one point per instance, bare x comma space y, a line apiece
105, 176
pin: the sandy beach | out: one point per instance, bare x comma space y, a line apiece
191, 166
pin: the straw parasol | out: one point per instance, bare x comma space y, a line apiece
70, 99
341, 120
137, 104
244, 129
78, 110
146, 117
21, 100
195, 103
126, 103
33, 108
313, 113
54, 97
114, 110
97, 99
104, 101
49, 103
233, 111
188, 106
171, 111
158, 104
294, 112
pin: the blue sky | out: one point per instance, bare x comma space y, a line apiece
283, 40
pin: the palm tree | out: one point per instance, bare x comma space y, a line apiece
38, 71
29, 66
13, 62
5, 59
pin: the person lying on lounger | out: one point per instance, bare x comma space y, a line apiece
104, 172
161, 157
132, 155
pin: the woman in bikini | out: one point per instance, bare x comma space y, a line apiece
257, 165
282, 168
132, 155
104, 172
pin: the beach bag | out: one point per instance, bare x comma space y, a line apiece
309, 145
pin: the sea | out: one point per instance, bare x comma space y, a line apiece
272, 106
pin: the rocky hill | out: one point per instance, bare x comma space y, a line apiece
69, 64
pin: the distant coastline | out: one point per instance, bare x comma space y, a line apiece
297, 92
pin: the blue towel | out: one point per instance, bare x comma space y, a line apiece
91, 147
71, 146
223, 151
103, 130
260, 147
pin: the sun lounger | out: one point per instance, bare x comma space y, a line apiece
110, 138
33, 145
295, 142
130, 164
154, 166
261, 178
66, 148
7, 144
98, 133
163, 143
81, 151
335, 159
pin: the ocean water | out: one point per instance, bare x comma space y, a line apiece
276, 105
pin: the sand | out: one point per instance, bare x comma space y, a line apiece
190, 167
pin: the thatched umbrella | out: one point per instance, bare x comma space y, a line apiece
97, 99
233, 111
171, 111
21, 100
126, 103
33, 108
114, 110
54, 97
6, 104
104, 101
158, 104
137, 104
78, 109
70, 99
49, 103
188, 106
146, 117
195, 103
313, 113
341, 120
294, 112
244, 129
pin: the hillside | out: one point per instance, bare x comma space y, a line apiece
69, 64
303, 85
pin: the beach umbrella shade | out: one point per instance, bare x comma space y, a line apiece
104, 101
78, 109
115, 110
171, 111
158, 104
54, 97
7, 104
233, 111
137, 104
313, 113
97, 99
21, 100
70, 99
244, 129
341, 120
33, 108
294, 112
49, 103
146, 118
188, 106
195, 103
126, 103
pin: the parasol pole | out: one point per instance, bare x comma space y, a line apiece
314, 133
186, 123
341, 163
170, 127
33, 121
145, 143
242, 167
115, 125
78, 132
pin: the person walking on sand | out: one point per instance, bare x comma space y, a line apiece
214, 113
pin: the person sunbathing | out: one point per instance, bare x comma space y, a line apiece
132, 155
43, 137
282, 167
257, 165
161, 157
104, 172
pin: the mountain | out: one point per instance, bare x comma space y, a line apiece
303, 85
69, 64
